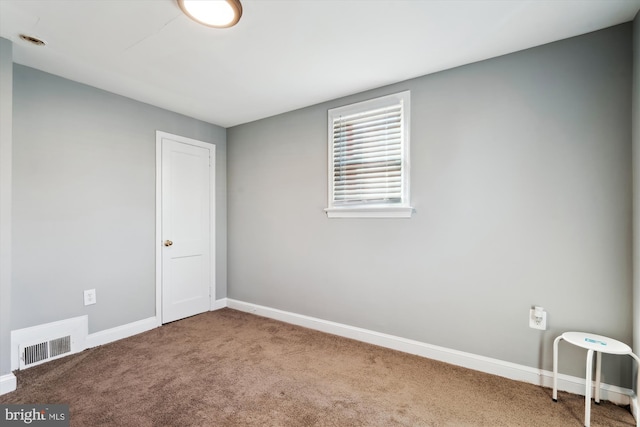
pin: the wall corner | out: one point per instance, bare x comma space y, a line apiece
6, 142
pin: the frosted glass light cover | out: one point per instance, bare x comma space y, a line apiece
214, 13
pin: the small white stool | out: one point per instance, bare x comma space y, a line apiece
592, 343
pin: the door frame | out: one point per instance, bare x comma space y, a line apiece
212, 216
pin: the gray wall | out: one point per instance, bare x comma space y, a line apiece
521, 181
84, 201
635, 118
6, 110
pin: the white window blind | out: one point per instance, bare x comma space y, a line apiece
368, 156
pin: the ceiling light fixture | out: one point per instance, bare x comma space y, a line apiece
213, 13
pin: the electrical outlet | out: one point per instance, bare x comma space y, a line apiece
89, 296
538, 318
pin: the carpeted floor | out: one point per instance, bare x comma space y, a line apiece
228, 368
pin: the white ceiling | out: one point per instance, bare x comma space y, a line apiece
283, 54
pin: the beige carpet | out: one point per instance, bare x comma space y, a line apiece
228, 368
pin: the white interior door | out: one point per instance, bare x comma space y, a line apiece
187, 187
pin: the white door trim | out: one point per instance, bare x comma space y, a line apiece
158, 238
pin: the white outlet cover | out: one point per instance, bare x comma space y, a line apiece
89, 297
542, 325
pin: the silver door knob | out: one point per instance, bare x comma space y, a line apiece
168, 243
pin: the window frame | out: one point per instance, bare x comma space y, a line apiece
401, 209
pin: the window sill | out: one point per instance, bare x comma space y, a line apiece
370, 212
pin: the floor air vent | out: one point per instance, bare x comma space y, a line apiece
41, 343
60, 346
34, 354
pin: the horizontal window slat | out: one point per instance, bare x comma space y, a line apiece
377, 177
367, 167
373, 152
369, 188
375, 141
369, 120
361, 192
351, 129
383, 173
388, 160
364, 196
370, 197
340, 128
355, 177
364, 185
389, 192
369, 153
353, 185
364, 204
348, 176
376, 181
372, 120
391, 152
370, 143
393, 141
376, 184
353, 138
370, 115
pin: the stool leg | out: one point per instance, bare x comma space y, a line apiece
587, 393
598, 366
637, 387
555, 368
637, 359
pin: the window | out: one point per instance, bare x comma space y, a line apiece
369, 158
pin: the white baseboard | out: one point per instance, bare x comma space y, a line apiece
130, 329
218, 304
8, 383
615, 394
120, 332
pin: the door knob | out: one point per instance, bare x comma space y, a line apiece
168, 243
